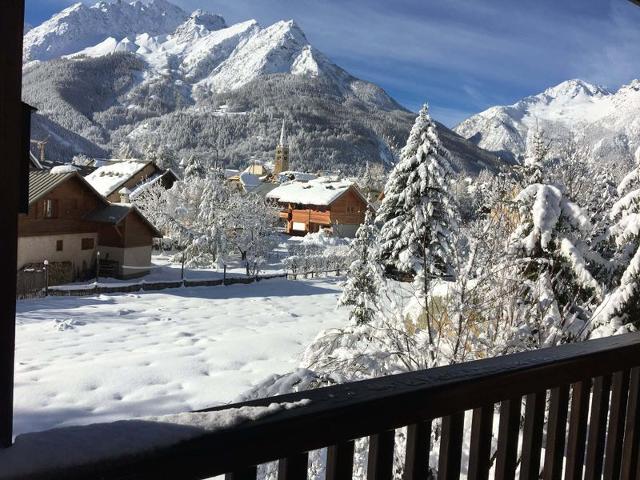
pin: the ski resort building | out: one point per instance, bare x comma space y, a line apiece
307, 207
69, 222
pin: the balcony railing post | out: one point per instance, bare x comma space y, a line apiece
480, 445
416, 465
340, 461
532, 435
294, 467
506, 456
615, 426
249, 473
451, 446
577, 437
380, 461
556, 432
597, 428
631, 447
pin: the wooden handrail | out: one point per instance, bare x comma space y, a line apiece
338, 414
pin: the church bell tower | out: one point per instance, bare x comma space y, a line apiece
282, 154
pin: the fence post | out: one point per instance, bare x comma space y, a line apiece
46, 278
182, 269
224, 274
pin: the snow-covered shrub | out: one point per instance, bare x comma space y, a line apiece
620, 309
555, 289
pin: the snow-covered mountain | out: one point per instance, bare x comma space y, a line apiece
80, 26
607, 120
142, 72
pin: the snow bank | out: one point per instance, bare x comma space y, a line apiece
160, 353
63, 448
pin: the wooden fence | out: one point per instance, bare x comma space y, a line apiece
154, 286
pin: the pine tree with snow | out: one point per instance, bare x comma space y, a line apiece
416, 215
620, 308
362, 289
538, 148
194, 168
554, 288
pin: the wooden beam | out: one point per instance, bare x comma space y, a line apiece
11, 31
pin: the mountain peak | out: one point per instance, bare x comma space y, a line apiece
573, 88
80, 26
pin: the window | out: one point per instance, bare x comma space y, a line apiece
50, 208
87, 244
59, 245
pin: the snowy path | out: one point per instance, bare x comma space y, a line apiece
88, 359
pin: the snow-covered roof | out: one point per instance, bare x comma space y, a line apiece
108, 178
58, 169
298, 176
320, 191
249, 181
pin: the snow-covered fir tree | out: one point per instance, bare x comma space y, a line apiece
555, 289
194, 168
416, 214
619, 310
538, 148
364, 279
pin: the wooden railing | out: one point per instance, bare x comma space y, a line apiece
573, 410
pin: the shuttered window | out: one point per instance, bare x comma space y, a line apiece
87, 244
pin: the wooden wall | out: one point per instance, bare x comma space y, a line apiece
132, 232
75, 201
349, 209
137, 232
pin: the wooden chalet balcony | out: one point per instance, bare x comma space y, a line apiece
573, 407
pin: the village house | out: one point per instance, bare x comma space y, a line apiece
69, 222
307, 207
133, 175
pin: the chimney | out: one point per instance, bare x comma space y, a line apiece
125, 193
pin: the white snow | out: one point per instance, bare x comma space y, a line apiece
62, 448
107, 178
575, 107
321, 191
289, 175
60, 169
83, 360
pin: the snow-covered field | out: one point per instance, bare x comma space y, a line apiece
88, 359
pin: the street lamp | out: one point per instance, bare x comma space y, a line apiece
98, 267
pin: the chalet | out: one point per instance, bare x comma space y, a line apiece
69, 222
134, 175
307, 207
125, 239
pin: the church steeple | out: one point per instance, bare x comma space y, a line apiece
282, 153
282, 137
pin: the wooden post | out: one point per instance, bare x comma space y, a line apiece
182, 269
224, 274
11, 26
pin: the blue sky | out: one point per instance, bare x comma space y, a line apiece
462, 56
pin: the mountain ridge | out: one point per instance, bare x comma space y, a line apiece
196, 68
606, 120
